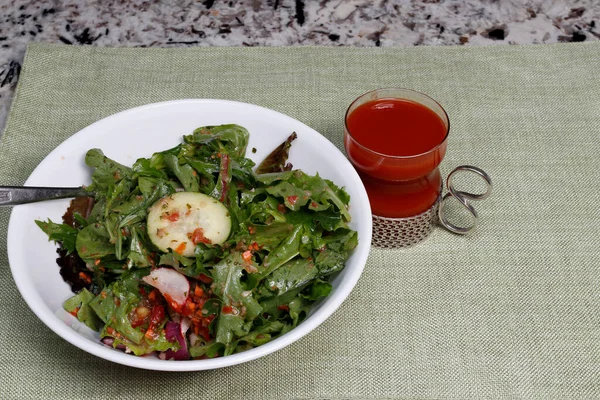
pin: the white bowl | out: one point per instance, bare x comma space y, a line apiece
137, 133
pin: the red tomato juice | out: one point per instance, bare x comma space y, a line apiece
396, 146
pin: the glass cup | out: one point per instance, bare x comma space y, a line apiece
404, 189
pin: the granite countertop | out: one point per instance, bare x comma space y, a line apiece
185, 23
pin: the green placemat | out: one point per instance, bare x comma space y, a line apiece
512, 311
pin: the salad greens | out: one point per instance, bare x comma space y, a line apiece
289, 233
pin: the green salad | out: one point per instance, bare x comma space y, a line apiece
194, 253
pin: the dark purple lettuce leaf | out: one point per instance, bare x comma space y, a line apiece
277, 161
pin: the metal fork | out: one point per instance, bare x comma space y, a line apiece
13, 195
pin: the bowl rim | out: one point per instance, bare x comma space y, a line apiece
326, 309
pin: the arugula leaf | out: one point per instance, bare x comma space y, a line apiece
298, 189
150, 168
265, 212
231, 138
186, 266
342, 239
259, 335
292, 275
286, 250
317, 290
294, 197
271, 305
185, 173
329, 261
139, 255
106, 171
241, 170
59, 233
93, 242
270, 236
154, 189
299, 308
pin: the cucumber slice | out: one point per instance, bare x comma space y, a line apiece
184, 219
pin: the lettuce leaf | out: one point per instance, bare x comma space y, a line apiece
239, 306
80, 306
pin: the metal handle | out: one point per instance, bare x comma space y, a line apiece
13, 195
463, 198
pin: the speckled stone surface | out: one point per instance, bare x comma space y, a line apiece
182, 23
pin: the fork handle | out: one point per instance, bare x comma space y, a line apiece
13, 195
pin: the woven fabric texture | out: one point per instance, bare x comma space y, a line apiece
510, 311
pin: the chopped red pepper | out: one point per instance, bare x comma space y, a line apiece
255, 247
204, 332
247, 255
227, 310
156, 317
198, 236
292, 199
111, 331
172, 303
173, 217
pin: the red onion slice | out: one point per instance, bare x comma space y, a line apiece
173, 332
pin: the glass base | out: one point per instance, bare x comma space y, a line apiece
392, 233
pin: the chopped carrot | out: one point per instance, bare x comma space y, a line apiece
85, 277
181, 248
